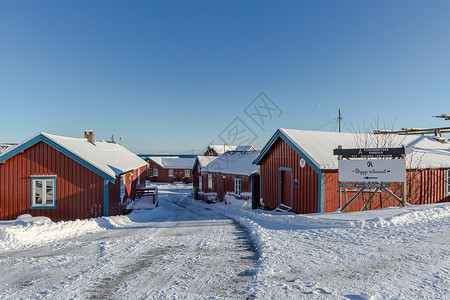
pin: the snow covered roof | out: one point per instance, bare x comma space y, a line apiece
205, 160
317, 147
6, 147
105, 158
220, 149
173, 162
234, 162
245, 148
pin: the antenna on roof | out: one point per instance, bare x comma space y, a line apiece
340, 119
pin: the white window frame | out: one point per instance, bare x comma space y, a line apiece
170, 172
237, 187
155, 172
187, 173
44, 180
448, 182
200, 183
139, 177
210, 183
123, 189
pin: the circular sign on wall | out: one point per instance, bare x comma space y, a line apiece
302, 163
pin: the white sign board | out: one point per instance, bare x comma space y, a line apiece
372, 170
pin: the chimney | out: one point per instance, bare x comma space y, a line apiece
90, 136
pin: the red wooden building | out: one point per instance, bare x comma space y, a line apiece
67, 178
231, 173
299, 170
197, 180
170, 169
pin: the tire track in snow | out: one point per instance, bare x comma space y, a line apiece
192, 267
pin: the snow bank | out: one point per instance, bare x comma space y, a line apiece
362, 255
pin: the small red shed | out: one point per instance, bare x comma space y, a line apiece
170, 168
67, 178
299, 170
230, 173
200, 162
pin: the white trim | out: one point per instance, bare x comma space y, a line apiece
170, 171
210, 183
155, 172
200, 183
187, 173
139, 177
448, 182
44, 180
237, 186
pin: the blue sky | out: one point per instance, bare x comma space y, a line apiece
171, 76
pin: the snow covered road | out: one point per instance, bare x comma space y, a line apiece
186, 249
172, 252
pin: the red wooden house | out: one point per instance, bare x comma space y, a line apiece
231, 173
197, 180
170, 169
67, 178
299, 170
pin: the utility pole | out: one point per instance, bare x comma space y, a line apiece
340, 120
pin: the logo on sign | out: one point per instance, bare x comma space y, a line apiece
369, 164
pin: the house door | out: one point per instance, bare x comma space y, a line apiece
286, 187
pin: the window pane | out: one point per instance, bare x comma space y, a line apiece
38, 192
49, 192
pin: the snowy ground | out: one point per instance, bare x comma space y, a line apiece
188, 249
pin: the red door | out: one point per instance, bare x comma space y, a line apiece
286, 188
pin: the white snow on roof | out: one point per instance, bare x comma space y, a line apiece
245, 148
220, 149
234, 162
318, 147
6, 147
205, 160
173, 162
110, 158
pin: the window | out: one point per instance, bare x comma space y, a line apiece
43, 192
199, 169
210, 181
155, 172
187, 173
122, 188
200, 183
170, 172
139, 177
237, 187
448, 182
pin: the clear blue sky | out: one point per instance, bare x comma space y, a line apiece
170, 76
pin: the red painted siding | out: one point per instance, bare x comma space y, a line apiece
305, 196
221, 185
117, 206
163, 174
79, 191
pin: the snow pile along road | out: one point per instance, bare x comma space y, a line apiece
391, 253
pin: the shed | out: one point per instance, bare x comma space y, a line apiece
299, 170
170, 168
67, 178
200, 162
231, 173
